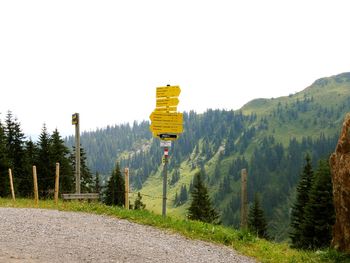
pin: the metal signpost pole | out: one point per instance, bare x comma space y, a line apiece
165, 180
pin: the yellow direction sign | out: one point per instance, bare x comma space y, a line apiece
158, 128
168, 91
166, 109
167, 102
165, 117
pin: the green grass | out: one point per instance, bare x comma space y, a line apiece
244, 242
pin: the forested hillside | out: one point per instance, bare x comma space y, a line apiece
269, 137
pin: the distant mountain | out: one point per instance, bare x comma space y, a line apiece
269, 137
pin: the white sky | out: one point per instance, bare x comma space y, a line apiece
104, 59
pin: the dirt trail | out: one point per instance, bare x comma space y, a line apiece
36, 235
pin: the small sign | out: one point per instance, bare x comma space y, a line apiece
168, 91
166, 144
167, 136
169, 102
75, 118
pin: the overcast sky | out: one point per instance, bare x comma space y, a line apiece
104, 59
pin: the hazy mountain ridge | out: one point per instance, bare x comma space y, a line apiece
267, 136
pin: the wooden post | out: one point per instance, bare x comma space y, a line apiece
77, 155
244, 200
57, 182
36, 193
126, 188
11, 185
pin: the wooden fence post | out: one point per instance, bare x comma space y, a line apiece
36, 193
244, 200
11, 185
126, 188
57, 182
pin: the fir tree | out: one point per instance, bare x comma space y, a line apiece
319, 211
139, 205
45, 177
302, 198
256, 219
4, 181
86, 180
86, 175
115, 191
201, 208
15, 140
97, 187
59, 153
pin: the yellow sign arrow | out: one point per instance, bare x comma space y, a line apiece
158, 128
168, 91
166, 117
166, 109
167, 102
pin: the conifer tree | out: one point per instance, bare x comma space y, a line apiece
319, 211
86, 180
139, 205
201, 208
59, 153
4, 181
45, 177
97, 187
256, 219
302, 198
15, 140
115, 191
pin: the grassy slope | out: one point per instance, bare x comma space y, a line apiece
246, 244
328, 92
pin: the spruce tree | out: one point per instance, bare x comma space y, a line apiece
302, 198
97, 187
201, 208
86, 179
4, 181
115, 191
45, 177
256, 219
59, 153
319, 211
139, 205
15, 140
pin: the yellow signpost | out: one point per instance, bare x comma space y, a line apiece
166, 109
160, 128
168, 102
166, 124
168, 91
166, 117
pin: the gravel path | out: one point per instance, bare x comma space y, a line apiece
36, 235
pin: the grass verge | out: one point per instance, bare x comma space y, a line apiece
244, 242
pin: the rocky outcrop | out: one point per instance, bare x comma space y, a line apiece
340, 167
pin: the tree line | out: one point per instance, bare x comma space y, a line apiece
20, 154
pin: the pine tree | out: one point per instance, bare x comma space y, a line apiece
302, 198
97, 187
115, 191
139, 205
4, 181
45, 177
319, 211
256, 219
201, 208
15, 140
86, 175
86, 180
59, 153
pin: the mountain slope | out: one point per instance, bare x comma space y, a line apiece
269, 137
